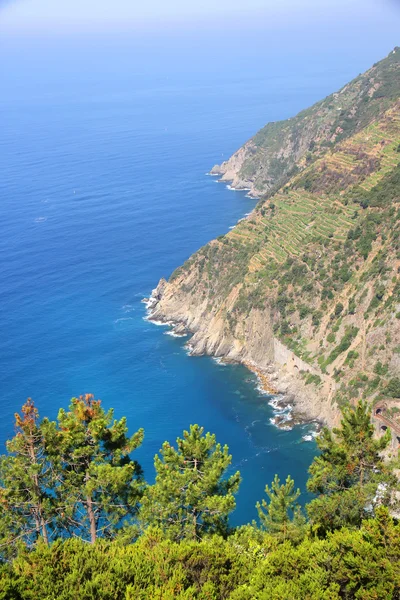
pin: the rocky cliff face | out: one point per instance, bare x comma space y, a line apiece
251, 343
307, 288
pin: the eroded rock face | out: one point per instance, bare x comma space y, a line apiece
230, 170
252, 342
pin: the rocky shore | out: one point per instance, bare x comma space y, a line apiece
277, 369
229, 171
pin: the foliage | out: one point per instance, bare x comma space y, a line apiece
27, 478
191, 495
393, 388
347, 473
100, 483
181, 554
281, 515
73, 477
344, 344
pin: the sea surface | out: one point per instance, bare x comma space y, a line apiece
104, 148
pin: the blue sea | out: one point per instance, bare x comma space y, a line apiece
104, 150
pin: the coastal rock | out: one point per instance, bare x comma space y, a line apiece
253, 345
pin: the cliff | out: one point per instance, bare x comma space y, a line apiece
307, 288
278, 150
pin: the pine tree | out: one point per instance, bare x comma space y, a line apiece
281, 515
27, 478
347, 473
101, 485
191, 495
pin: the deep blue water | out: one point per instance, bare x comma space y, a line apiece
104, 150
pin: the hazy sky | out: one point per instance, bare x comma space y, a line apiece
94, 14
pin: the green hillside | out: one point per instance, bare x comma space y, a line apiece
319, 257
281, 148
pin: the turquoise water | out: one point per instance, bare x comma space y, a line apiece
105, 149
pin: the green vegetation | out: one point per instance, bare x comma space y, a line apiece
313, 132
393, 388
344, 345
282, 515
320, 260
191, 496
173, 540
341, 474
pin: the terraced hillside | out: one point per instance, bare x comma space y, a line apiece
308, 286
278, 150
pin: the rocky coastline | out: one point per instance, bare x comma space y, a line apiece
229, 172
292, 403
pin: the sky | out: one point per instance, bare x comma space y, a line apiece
92, 15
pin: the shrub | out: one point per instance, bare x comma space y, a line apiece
393, 388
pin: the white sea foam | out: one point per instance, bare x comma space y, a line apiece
260, 389
278, 424
172, 333
308, 438
149, 302
282, 414
219, 360
285, 416
127, 308
274, 402
159, 323
188, 348
123, 319
40, 219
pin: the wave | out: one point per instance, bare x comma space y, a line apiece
220, 361
261, 390
40, 219
123, 319
127, 308
158, 323
172, 333
283, 413
235, 189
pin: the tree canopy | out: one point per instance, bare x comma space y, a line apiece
73, 481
